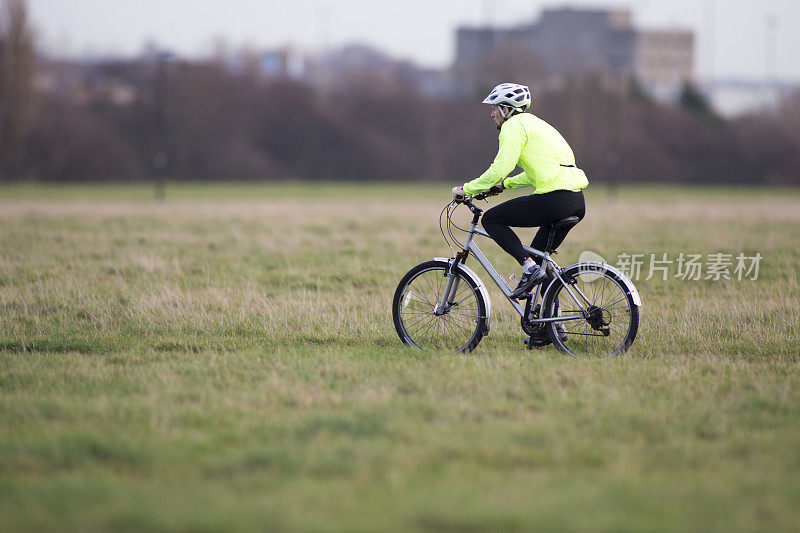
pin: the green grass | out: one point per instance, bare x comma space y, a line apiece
299, 190
225, 360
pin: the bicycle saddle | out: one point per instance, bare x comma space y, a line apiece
565, 222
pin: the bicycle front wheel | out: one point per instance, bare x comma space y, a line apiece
415, 309
600, 315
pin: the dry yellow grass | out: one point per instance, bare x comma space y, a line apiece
326, 270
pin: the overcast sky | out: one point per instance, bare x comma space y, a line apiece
732, 34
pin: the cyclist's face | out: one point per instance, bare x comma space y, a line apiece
496, 116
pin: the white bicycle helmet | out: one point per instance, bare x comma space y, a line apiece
510, 94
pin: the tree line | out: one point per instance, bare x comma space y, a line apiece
212, 122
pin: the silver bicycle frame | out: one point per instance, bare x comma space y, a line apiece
469, 246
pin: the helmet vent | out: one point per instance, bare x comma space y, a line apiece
510, 94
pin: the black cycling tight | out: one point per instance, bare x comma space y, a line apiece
536, 210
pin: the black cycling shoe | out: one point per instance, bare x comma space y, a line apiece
562, 331
528, 281
536, 341
542, 339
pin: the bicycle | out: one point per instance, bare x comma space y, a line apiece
442, 303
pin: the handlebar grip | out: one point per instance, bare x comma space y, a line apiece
494, 191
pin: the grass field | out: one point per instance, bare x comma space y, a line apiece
226, 360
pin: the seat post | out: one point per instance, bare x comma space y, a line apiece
550, 236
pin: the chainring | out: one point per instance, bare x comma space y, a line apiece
534, 330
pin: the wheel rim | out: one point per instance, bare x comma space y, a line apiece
423, 328
606, 329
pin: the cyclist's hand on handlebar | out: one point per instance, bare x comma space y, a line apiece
495, 190
458, 194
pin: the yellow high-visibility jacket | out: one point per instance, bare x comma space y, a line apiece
546, 159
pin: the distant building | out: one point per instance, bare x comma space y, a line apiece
569, 41
664, 61
282, 62
731, 97
368, 69
88, 81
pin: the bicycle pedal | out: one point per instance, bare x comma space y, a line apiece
534, 343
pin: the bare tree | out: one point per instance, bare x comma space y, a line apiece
17, 96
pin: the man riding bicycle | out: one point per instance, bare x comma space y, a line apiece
548, 164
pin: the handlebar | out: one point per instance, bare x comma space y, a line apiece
480, 196
467, 201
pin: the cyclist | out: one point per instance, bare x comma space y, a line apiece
548, 164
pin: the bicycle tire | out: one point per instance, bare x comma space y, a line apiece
415, 298
614, 317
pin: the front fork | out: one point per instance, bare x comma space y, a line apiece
451, 289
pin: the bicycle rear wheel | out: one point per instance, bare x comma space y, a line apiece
611, 318
419, 293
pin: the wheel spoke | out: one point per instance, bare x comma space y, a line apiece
417, 320
455, 322
464, 314
423, 322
